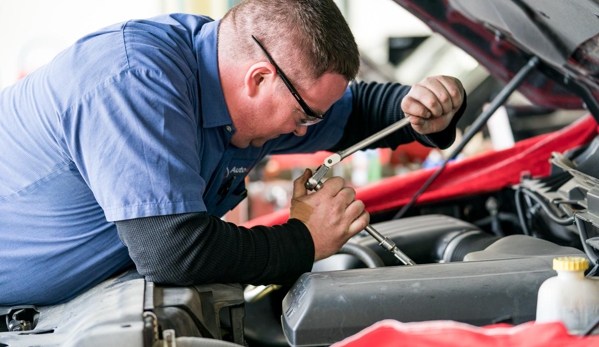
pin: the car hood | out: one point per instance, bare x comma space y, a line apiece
503, 35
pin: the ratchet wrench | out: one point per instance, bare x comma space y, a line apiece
315, 183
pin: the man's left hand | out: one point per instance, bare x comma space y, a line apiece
432, 103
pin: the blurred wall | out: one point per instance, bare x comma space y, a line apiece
32, 32
373, 21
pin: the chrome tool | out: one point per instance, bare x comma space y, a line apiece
315, 183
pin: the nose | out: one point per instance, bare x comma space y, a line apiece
300, 130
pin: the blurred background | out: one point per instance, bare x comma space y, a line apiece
395, 46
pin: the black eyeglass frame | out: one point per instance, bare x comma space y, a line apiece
307, 110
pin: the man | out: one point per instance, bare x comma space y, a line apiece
128, 147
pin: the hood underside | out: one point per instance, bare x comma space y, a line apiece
503, 35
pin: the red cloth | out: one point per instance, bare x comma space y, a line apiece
390, 333
289, 161
486, 172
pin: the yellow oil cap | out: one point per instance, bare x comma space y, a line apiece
570, 264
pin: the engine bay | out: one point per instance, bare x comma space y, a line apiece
473, 269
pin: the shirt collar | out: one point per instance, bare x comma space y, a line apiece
214, 108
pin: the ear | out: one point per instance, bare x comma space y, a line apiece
260, 77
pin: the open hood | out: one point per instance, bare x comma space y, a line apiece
503, 35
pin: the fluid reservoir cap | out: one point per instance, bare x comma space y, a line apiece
570, 264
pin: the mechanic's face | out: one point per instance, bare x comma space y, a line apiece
280, 113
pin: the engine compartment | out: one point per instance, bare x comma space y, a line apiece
481, 261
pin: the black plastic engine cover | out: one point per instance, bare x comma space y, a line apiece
323, 308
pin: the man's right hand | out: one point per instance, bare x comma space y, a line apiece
331, 214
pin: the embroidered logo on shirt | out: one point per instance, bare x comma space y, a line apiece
236, 170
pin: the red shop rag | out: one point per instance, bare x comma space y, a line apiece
391, 333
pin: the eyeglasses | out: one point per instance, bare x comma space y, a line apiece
311, 116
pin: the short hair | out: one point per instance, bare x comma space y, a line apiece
306, 38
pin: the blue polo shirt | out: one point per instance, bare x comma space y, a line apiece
129, 122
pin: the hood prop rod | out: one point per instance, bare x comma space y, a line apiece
478, 123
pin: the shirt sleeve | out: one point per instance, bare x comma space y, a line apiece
362, 111
378, 105
134, 140
195, 248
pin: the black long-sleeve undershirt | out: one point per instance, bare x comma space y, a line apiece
196, 248
376, 106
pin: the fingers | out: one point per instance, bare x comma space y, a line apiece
356, 211
331, 214
347, 194
440, 97
433, 102
333, 185
422, 101
359, 223
299, 185
454, 88
433, 97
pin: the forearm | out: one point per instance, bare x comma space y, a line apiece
196, 248
376, 106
